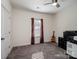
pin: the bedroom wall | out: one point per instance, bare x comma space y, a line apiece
66, 19
6, 32
22, 26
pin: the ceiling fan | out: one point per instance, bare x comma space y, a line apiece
54, 3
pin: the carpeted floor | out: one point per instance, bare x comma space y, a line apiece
39, 51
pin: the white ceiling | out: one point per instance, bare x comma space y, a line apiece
38, 5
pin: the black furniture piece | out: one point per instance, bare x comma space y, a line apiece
67, 34
62, 41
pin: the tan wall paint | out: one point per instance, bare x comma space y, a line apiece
22, 26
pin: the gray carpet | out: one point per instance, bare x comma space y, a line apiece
48, 51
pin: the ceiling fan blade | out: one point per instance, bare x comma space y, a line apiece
53, 1
56, 0
47, 3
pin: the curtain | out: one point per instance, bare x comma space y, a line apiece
32, 32
42, 32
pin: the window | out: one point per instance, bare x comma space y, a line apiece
37, 27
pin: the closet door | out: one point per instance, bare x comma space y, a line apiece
5, 32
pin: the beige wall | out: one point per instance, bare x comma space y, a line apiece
66, 19
62, 21
22, 26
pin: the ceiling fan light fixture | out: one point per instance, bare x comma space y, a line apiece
54, 4
58, 5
